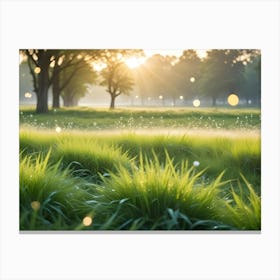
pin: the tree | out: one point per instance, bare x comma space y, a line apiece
156, 78
39, 62
222, 73
66, 66
76, 85
25, 81
117, 77
188, 71
46, 67
252, 86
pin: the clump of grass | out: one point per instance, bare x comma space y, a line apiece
90, 155
152, 193
49, 197
244, 210
82, 153
97, 153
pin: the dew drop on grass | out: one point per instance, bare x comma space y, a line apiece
196, 163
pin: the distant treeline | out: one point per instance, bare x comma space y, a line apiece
164, 80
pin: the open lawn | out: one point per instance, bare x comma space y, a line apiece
140, 169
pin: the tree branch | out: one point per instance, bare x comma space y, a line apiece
32, 58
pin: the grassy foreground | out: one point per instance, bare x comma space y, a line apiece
82, 179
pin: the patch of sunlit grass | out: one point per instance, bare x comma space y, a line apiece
235, 153
243, 211
91, 155
167, 197
49, 197
100, 119
151, 194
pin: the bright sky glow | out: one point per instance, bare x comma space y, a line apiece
176, 53
201, 52
99, 66
134, 62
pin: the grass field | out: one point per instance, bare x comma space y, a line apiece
140, 169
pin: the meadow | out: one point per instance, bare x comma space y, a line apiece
140, 169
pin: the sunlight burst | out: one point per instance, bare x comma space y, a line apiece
134, 62
201, 53
99, 66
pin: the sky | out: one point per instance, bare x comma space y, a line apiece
201, 53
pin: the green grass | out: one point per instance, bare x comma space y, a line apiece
58, 197
99, 119
149, 196
132, 177
103, 153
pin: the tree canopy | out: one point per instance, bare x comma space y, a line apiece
117, 77
164, 80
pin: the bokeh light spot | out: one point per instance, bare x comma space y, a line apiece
27, 95
233, 99
35, 205
58, 129
37, 70
87, 221
192, 79
196, 103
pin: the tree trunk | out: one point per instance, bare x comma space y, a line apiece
214, 101
112, 104
56, 91
69, 101
42, 95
